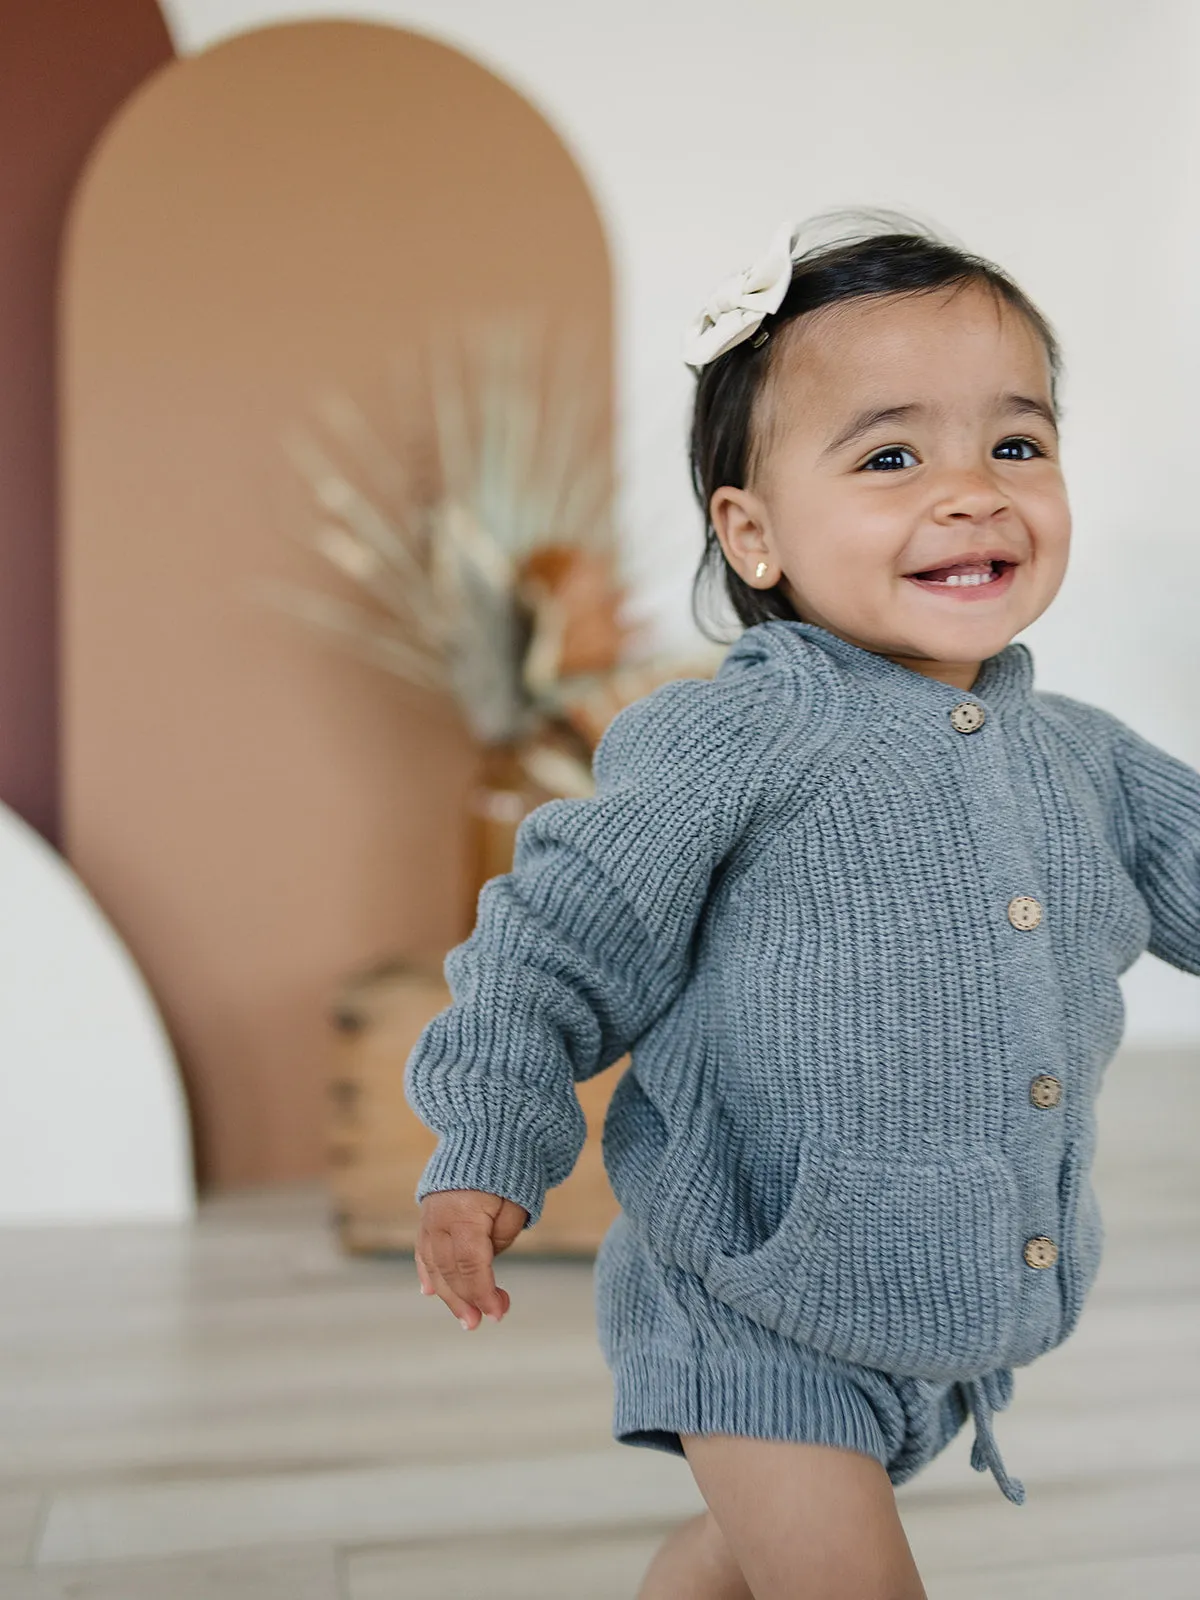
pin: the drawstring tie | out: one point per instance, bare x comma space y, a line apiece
992, 1392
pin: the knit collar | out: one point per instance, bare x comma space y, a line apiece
1003, 680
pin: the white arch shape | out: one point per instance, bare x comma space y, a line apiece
93, 1123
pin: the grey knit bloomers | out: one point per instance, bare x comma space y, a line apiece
684, 1362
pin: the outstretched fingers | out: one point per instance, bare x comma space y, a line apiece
454, 1255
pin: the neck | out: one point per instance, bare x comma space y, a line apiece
959, 674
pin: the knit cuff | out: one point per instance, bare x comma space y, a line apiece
474, 1156
659, 1395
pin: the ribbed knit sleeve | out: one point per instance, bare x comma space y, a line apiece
580, 946
1164, 800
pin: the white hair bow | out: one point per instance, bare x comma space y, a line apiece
737, 307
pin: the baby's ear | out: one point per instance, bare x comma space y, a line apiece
739, 521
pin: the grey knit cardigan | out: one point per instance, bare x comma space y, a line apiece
861, 932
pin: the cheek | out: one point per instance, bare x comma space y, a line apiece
1049, 515
870, 535
843, 556
828, 532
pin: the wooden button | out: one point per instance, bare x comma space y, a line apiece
967, 716
1024, 911
1041, 1252
1045, 1091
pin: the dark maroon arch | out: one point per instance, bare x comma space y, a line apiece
65, 67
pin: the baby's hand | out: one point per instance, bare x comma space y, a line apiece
460, 1232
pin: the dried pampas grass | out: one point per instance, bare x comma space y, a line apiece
494, 583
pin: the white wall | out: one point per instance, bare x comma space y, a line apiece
1058, 137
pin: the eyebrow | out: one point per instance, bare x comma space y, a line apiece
1007, 405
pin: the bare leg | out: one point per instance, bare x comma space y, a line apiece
695, 1563
803, 1521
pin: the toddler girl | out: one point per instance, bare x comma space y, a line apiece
858, 907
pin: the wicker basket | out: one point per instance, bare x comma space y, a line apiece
378, 1145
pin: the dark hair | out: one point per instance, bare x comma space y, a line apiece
903, 258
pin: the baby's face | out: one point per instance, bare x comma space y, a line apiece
971, 467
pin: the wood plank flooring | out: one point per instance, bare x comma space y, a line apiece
235, 1409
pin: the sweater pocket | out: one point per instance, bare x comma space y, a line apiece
1083, 1237
909, 1265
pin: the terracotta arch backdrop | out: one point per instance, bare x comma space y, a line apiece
257, 813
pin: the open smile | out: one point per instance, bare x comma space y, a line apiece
991, 580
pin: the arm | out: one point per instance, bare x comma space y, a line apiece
1163, 794
581, 946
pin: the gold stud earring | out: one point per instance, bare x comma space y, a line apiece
760, 569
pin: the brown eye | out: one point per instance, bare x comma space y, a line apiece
1033, 445
890, 454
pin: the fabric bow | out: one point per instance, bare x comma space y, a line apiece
737, 306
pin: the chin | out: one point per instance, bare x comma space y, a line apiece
966, 639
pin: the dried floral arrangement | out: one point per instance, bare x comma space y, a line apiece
496, 586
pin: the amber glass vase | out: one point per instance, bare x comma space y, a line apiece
502, 794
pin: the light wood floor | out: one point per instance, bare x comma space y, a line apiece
237, 1411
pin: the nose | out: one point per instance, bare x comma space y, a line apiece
970, 495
